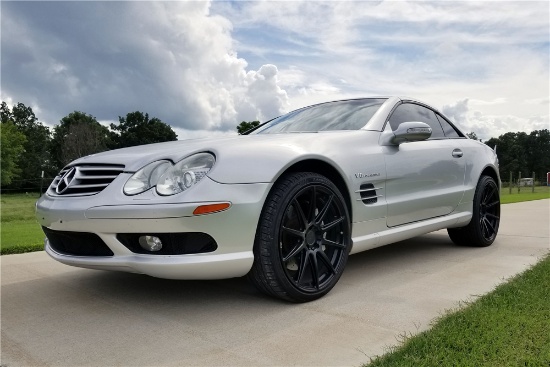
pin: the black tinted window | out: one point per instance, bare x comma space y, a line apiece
413, 112
449, 130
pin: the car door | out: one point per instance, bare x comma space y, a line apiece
425, 179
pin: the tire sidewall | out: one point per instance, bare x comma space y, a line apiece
483, 182
281, 205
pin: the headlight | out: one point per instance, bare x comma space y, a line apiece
185, 174
170, 178
146, 177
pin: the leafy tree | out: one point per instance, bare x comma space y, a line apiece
519, 152
5, 113
244, 126
538, 153
78, 134
137, 129
23, 115
510, 152
472, 135
11, 147
34, 158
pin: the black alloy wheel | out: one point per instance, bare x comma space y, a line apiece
303, 239
311, 238
489, 211
483, 227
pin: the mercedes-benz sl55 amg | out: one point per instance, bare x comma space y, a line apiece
285, 203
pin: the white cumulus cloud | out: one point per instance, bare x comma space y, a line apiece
488, 126
173, 60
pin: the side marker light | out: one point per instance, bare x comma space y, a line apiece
211, 208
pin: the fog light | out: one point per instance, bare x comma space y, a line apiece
150, 243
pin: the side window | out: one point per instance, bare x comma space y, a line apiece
413, 112
449, 130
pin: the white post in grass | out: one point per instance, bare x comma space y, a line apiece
41, 183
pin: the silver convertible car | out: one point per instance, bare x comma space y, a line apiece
285, 203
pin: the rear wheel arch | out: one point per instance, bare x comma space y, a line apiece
491, 172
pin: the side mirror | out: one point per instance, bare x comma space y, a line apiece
407, 132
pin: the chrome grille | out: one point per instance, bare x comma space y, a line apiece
81, 180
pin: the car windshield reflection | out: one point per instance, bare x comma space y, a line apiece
341, 115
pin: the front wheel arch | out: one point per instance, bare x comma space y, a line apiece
324, 169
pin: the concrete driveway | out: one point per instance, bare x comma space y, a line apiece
56, 315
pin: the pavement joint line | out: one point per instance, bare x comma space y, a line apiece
516, 235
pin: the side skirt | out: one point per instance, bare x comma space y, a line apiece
396, 234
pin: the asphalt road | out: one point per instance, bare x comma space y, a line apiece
56, 315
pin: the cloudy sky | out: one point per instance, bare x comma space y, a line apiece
203, 67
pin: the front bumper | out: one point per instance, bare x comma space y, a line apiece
108, 214
195, 266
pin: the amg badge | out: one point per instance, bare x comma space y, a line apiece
365, 175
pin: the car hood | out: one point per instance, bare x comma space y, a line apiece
134, 158
239, 159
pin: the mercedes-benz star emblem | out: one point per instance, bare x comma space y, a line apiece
66, 180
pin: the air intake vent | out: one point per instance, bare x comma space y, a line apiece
368, 193
84, 180
77, 243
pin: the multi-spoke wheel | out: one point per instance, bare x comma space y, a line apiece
483, 228
303, 239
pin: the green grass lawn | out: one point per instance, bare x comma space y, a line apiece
507, 327
541, 192
20, 232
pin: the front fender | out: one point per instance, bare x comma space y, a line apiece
262, 160
254, 166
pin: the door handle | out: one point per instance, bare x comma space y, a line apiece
457, 153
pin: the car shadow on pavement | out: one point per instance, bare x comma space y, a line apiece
415, 255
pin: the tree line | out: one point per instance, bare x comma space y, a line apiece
28, 147
523, 153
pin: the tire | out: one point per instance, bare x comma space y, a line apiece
483, 227
303, 239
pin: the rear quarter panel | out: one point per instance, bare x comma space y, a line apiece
478, 157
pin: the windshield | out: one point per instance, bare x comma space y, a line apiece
340, 115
